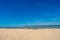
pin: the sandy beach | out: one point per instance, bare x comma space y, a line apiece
29, 34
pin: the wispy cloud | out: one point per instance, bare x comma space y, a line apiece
35, 23
53, 21
56, 19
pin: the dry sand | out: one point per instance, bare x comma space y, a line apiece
29, 34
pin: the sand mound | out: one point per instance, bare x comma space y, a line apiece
29, 34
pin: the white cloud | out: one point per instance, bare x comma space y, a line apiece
56, 19
36, 22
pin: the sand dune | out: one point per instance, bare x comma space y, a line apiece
29, 34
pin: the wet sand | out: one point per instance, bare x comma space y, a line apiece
29, 34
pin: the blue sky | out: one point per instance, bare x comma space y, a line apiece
29, 12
